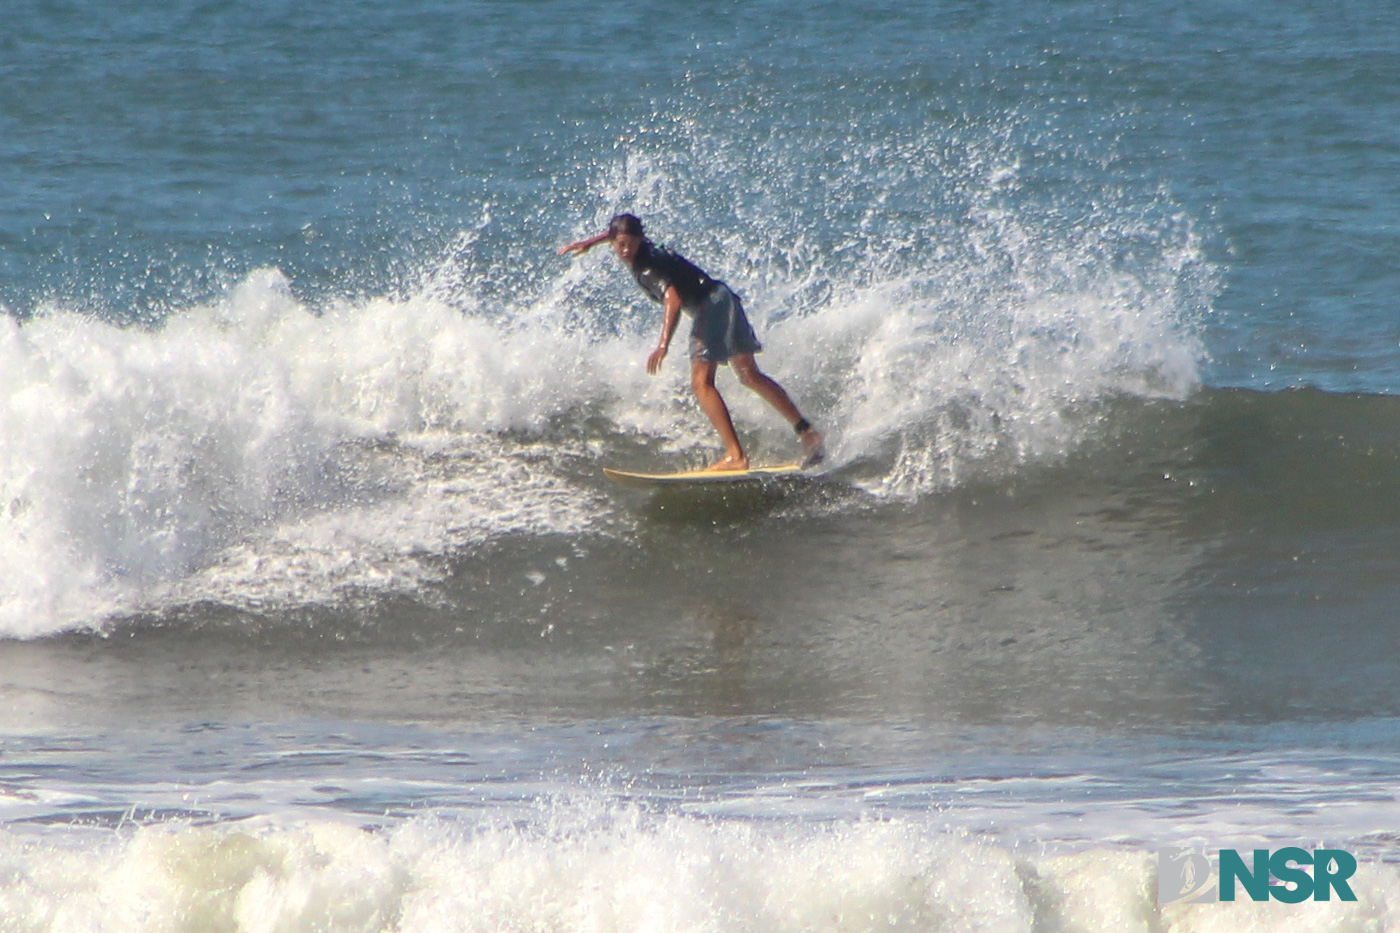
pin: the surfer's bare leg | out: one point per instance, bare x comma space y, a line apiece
746, 368
702, 380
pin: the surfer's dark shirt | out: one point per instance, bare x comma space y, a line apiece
720, 330
657, 268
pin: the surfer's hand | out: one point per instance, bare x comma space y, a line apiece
654, 361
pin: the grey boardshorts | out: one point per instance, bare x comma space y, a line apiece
721, 329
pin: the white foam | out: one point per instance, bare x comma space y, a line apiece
237, 454
136, 460
612, 870
950, 384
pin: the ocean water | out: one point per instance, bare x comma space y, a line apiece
317, 613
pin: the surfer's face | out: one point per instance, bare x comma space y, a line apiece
626, 246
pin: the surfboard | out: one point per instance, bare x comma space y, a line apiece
703, 477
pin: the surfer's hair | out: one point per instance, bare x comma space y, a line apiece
625, 223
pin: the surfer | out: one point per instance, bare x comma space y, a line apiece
720, 334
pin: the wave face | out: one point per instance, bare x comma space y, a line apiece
946, 309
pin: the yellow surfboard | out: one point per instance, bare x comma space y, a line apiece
703, 477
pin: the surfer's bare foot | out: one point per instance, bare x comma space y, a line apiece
813, 447
729, 465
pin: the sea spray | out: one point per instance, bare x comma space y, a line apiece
952, 299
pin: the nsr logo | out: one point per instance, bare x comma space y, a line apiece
1184, 875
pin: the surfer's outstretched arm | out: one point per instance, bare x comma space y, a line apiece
583, 246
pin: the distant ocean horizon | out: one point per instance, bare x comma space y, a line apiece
317, 612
